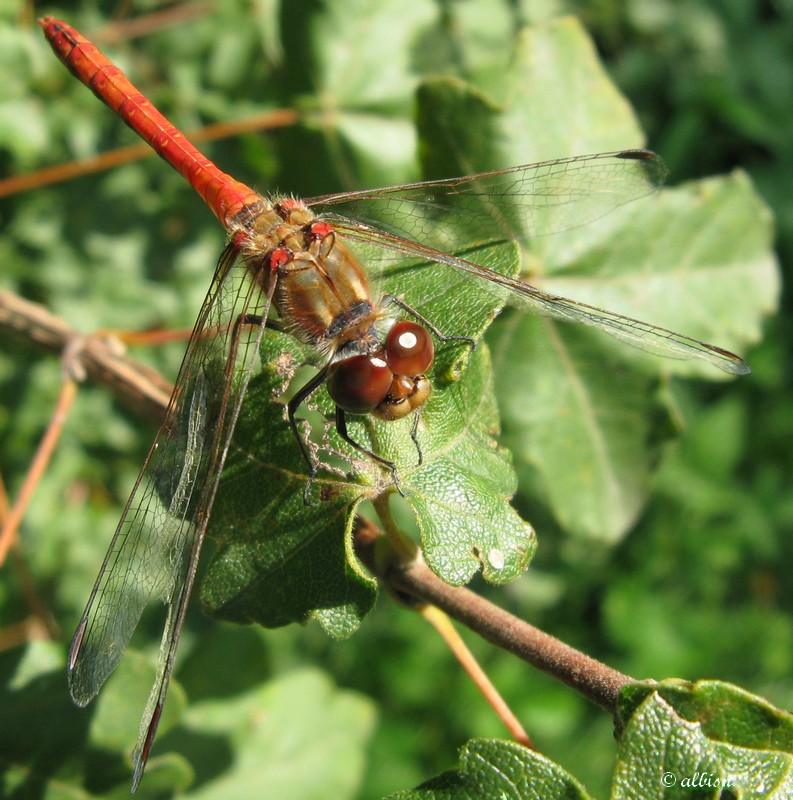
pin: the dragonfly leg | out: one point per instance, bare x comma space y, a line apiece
341, 427
291, 409
243, 321
387, 299
414, 436
256, 320
299, 398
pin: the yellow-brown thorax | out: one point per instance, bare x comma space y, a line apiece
322, 295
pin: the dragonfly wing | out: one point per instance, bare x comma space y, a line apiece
154, 551
433, 220
511, 291
518, 203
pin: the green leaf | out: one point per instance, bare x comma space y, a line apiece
461, 494
583, 420
356, 104
40, 729
560, 99
567, 421
296, 737
470, 37
555, 100
681, 737
348, 43
493, 769
697, 259
727, 713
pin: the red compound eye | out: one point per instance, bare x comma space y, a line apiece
409, 349
359, 384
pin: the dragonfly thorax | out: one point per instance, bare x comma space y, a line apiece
323, 298
321, 292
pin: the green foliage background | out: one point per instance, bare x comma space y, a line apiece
697, 587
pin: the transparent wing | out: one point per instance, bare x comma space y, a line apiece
511, 291
154, 551
431, 221
518, 203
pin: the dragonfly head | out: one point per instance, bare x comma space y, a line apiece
390, 383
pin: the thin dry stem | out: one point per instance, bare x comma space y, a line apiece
37, 468
41, 618
48, 176
596, 681
443, 625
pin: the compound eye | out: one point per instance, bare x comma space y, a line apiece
409, 349
359, 384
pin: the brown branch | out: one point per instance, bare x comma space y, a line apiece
141, 388
415, 583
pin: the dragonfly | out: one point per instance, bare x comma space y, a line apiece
291, 265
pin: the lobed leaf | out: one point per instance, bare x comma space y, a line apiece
493, 769
709, 737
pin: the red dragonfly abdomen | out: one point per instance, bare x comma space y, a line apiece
224, 195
